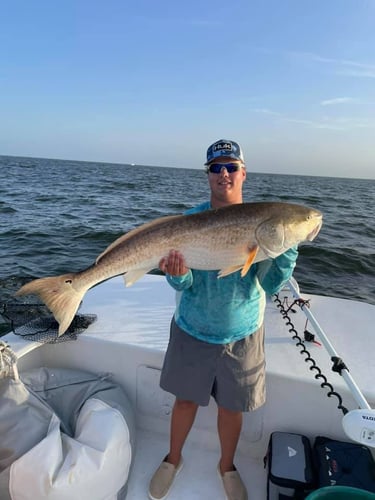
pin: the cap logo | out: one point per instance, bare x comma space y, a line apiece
222, 146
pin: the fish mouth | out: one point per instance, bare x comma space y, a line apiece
315, 231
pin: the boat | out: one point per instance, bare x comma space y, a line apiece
129, 337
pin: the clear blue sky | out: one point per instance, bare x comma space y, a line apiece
156, 81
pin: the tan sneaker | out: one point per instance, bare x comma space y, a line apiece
233, 485
162, 480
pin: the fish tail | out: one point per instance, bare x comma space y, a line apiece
59, 295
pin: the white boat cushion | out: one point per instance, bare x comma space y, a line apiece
64, 434
91, 465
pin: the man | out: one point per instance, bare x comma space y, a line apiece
216, 345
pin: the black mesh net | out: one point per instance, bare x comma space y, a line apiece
35, 322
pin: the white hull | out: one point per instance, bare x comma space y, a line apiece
129, 339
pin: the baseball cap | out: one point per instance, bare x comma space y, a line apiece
224, 147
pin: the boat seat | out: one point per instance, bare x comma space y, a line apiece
64, 434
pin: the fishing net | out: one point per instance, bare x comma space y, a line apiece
34, 322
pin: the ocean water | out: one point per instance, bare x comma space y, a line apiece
57, 216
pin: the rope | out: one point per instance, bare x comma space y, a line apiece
8, 362
285, 309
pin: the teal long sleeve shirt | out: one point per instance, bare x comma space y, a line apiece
223, 310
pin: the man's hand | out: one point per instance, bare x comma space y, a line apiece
174, 264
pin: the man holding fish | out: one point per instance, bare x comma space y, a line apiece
223, 256
216, 345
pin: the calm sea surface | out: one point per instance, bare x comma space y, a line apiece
57, 216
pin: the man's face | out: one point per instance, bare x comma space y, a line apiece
224, 184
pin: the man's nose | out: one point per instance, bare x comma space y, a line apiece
223, 170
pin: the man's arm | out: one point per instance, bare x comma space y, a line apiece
274, 273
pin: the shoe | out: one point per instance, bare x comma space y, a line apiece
162, 480
233, 485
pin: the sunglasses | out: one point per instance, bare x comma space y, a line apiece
215, 168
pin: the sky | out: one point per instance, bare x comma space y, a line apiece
155, 82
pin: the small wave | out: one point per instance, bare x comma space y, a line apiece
7, 210
336, 272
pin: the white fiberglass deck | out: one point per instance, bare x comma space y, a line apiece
129, 339
140, 315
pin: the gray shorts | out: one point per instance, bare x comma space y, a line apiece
234, 373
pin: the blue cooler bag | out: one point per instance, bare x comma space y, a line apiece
339, 463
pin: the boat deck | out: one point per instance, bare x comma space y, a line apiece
129, 339
198, 479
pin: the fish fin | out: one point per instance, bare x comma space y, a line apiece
228, 270
59, 295
250, 259
244, 268
131, 277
